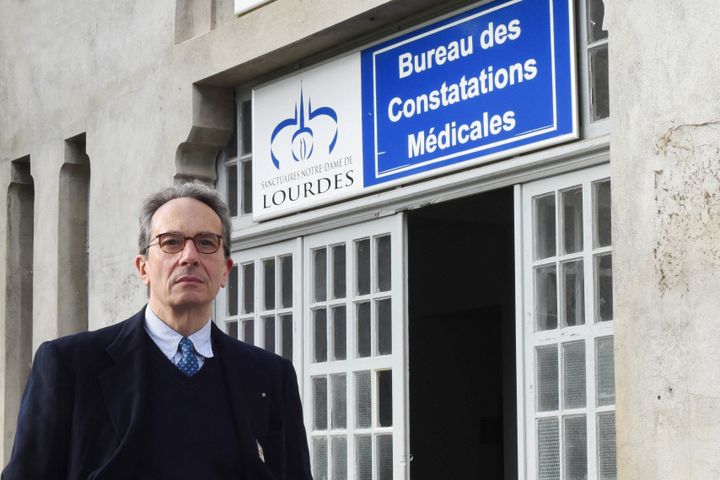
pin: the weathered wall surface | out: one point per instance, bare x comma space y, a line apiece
665, 161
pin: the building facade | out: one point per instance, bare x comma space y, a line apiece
484, 233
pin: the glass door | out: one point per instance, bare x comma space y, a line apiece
355, 359
566, 329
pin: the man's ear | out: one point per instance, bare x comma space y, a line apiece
141, 265
228, 267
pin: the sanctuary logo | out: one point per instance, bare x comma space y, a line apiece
307, 139
308, 130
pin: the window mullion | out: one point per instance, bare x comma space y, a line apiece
591, 406
589, 274
277, 330
257, 300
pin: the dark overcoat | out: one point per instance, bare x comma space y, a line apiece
83, 410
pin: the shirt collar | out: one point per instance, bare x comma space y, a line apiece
168, 339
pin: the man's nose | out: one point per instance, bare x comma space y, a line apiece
189, 254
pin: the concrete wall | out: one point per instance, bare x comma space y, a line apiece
665, 150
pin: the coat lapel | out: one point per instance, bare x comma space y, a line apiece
124, 387
245, 384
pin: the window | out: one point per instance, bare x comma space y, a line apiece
235, 166
567, 331
593, 43
260, 305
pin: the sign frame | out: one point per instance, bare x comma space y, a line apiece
354, 80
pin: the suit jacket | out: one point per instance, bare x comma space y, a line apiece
82, 413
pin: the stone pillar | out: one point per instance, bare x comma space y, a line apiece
18, 311
665, 166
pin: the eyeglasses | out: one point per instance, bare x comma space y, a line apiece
173, 242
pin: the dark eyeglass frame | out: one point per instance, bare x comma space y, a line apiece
179, 236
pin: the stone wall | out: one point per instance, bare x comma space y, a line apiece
665, 151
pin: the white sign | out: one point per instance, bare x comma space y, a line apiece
307, 139
242, 6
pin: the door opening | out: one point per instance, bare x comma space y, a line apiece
462, 339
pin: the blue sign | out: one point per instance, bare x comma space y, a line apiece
488, 83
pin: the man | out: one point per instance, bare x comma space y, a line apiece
164, 394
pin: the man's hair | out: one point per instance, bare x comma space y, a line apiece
195, 190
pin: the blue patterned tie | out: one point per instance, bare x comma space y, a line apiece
188, 364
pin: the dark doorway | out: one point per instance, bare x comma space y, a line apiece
462, 339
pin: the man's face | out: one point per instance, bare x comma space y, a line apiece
188, 279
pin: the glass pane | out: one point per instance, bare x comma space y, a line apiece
269, 283
320, 458
338, 258
384, 326
603, 287
601, 209
246, 126
248, 271
320, 403
548, 449
572, 212
249, 332
363, 457
363, 404
362, 254
269, 331
287, 336
547, 378
607, 467
339, 333
339, 458
320, 323
363, 329
385, 457
384, 264
544, 208
596, 18
575, 445
232, 292
338, 410
599, 82
605, 365
247, 206
286, 281
573, 293
384, 379
232, 329
232, 189
546, 298
574, 386
320, 274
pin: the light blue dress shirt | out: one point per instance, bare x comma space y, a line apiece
168, 339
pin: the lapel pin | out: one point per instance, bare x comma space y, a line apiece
263, 394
